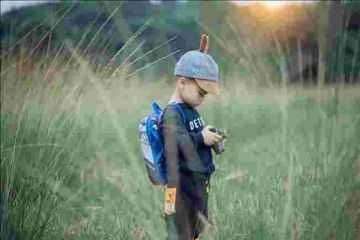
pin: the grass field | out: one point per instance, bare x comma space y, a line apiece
71, 166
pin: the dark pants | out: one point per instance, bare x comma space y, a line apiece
191, 207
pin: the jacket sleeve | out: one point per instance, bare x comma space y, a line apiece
177, 139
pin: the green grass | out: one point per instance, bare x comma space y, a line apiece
71, 166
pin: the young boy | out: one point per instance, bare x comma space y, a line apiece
188, 146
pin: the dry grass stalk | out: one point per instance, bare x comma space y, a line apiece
138, 233
75, 228
239, 175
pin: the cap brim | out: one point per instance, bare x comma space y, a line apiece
209, 86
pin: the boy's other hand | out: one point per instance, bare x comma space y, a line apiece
170, 199
210, 138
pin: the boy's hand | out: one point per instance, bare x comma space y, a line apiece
170, 199
210, 138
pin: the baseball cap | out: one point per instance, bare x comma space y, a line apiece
200, 66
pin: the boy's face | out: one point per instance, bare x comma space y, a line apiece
190, 92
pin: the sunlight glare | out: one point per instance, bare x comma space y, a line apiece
274, 4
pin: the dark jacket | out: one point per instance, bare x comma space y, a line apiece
185, 150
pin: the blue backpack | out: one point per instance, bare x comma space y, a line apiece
152, 143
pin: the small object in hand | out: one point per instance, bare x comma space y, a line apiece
220, 146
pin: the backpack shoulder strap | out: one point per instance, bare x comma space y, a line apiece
179, 109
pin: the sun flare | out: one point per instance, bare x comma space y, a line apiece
274, 4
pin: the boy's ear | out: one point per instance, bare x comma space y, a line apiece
181, 81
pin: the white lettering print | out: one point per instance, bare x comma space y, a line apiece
191, 125
196, 123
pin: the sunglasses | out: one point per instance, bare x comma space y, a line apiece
202, 92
